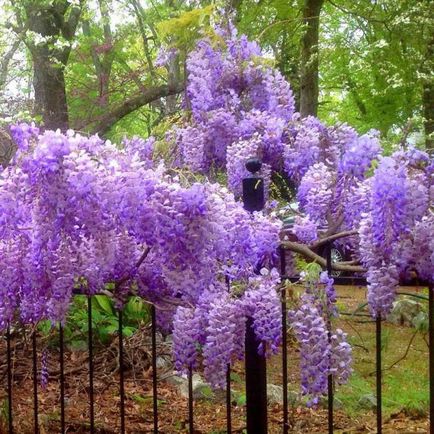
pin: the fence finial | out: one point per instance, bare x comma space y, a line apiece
253, 187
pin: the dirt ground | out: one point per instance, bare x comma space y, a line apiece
210, 415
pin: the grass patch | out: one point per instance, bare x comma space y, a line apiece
405, 385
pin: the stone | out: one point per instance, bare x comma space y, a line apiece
201, 389
164, 362
404, 311
367, 402
324, 403
175, 380
275, 395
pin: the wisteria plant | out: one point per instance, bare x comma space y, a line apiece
78, 214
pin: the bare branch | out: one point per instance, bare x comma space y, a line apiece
332, 238
4, 64
304, 250
149, 95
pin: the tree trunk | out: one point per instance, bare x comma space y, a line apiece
309, 58
55, 22
428, 111
428, 100
50, 94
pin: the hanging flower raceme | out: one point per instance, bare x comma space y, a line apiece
400, 211
311, 332
225, 339
323, 351
262, 303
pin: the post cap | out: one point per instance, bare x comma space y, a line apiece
253, 165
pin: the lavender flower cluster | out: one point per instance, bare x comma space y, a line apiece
78, 213
394, 230
323, 351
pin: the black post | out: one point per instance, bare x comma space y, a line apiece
121, 370
256, 368
190, 401
228, 380
228, 400
330, 397
378, 372
90, 349
431, 355
62, 380
9, 362
154, 367
284, 343
35, 384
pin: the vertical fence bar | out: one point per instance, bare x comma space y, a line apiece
62, 379
121, 370
228, 381
9, 374
90, 351
284, 344
190, 401
378, 372
431, 355
255, 364
228, 400
256, 384
35, 383
154, 368
330, 397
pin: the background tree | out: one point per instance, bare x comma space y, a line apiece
375, 68
368, 64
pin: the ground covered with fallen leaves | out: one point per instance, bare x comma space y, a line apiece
405, 387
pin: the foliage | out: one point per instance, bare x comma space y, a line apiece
374, 58
105, 320
183, 31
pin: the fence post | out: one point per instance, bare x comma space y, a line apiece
431, 354
35, 382
256, 372
9, 374
378, 369
330, 385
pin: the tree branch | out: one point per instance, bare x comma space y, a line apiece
304, 250
332, 238
138, 264
147, 96
4, 64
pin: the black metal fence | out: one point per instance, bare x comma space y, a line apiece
256, 405
255, 365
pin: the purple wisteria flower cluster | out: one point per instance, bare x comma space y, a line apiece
77, 213
323, 351
396, 229
241, 107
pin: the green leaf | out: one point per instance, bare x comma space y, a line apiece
104, 303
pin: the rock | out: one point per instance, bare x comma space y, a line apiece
176, 380
337, 403
164, 362
420, 321
169, 339
201, 389
275, 395
404, 312
367, 402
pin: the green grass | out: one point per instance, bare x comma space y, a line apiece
405, 385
